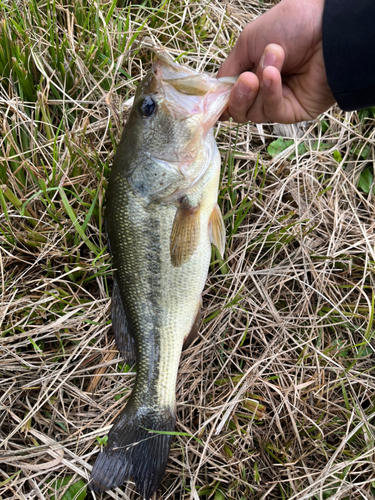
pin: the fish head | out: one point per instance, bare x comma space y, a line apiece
170, 128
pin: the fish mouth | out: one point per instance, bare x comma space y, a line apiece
183, 79
187, 92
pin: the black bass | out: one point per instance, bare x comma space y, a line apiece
162, 216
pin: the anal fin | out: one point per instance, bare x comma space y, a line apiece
217, 230
189, 339
185, 232
122, 331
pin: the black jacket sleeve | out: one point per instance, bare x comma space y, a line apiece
349, 51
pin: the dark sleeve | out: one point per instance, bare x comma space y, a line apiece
349, 51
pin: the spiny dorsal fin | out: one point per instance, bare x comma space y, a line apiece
185, 232
217, 230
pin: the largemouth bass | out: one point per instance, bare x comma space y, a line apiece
162, 216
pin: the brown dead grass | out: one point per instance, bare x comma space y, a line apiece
279, 388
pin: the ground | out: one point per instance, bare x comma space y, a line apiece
276, 397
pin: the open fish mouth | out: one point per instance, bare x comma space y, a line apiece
188, 92
183, 79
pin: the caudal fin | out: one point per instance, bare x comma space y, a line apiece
134, 452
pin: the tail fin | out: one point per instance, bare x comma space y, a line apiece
133, 451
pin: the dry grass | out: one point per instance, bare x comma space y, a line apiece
277, 396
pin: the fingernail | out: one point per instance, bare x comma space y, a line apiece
243, 89
269, 59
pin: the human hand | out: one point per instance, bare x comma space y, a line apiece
284, 49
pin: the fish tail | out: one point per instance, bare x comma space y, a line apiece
133, 451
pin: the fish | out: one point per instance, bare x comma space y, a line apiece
161, 216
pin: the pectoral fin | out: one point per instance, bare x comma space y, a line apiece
185, 233
217, 230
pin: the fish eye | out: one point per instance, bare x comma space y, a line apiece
147, 106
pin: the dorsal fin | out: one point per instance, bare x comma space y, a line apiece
122, 330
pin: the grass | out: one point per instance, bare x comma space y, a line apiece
276, 400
